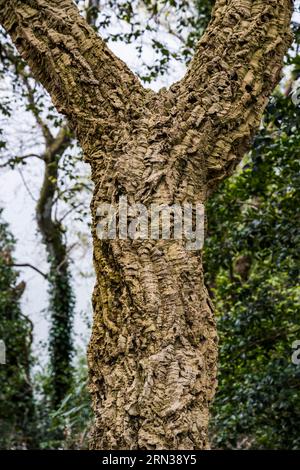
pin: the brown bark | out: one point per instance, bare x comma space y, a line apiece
153, 350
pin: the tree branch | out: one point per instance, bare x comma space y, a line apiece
37, 115
28, 265
220, 101
87, 83
53, 153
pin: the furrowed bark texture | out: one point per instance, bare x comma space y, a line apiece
153, 351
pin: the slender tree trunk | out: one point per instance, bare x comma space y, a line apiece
152, 354
61, 298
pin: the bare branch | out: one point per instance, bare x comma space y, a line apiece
68, 212
26, 185
17, 159
42, 124
219, 103
28, 265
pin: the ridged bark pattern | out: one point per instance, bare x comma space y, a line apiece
153, 351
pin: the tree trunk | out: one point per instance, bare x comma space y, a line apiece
152, 355
153, 351
61, 297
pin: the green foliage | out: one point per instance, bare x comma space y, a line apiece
68, 426
61, 307
17, 412
171, 28
252, 260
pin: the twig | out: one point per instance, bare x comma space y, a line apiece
17, 159
26, 186
28, 265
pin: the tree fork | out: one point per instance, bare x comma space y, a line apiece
153, 350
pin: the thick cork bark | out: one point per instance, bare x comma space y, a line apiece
153, 351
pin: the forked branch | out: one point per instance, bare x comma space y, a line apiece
86, 82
